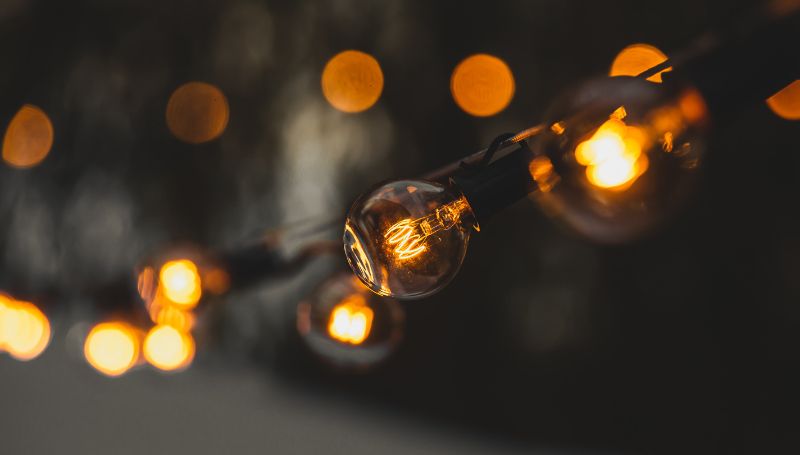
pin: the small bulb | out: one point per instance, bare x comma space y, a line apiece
112, 348
168, 349
626, 152
407, 239
347, 325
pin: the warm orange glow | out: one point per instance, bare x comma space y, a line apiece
197, 112
28, 138
786, 103
613, 155
637, 58
405, 238
482, 85
112, 348
24, 329
164, 313
168, 349
217, 281
351, 320
179, 281
541, 169
352, 81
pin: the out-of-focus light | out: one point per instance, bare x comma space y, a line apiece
112, 348
613, 155
482, 85
197, 112
164, 313
168, 349
351, 320
352, 81
180, 283
217, 281
637, 58
28, 138
786, 103
24, 329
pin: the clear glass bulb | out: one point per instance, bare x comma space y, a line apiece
625, 152
407, 239
347, 325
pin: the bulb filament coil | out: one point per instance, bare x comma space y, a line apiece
406, 238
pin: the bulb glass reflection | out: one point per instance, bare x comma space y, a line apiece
347, 325
407, 239
626, 152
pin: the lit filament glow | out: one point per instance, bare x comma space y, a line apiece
168, 349
613, 155
351, 320
24, 329
180, 282
406, 237
112, 348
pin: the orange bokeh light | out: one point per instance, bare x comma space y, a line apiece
168, 349
637, 58
180, 283
351, 320
786, 103
197, 112
112, 348
482, 85
352, 81
24, 329
613, 155
29, 138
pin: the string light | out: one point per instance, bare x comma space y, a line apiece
24, 329
180, 283
112, 348
168, 349
352, 81
351, 320
28, 138
197, 112
482, 85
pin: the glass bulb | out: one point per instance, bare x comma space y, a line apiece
625, 151
345, 324
407, 239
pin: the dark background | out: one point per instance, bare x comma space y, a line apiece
682, 342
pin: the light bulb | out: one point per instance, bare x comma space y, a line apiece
408, 238
347, 325
112, 348
625, 152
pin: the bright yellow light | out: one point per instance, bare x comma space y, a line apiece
112, 348
352, 81
180, 282
24, 329
168, 349
351, 320
197, 112
406, 237
786, 103
637, 58
613, 155
482, 85
28, 138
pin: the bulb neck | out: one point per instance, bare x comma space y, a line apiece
494, 187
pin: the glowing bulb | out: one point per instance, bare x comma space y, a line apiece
613, 155
168, 349
24, 329
351, 320
407, 239
346, 324
180, 282
112, 348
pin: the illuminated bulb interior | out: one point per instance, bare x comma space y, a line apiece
180, 283
406, 238
24, 329
613, 154
168, 349
351, 320
112, 348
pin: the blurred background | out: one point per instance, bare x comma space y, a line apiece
132, 129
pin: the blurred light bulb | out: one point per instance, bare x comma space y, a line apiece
344, 323
407, 239
625, 151
24, 329
112, 348
168, 349
180, 282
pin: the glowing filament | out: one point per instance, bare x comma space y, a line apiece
351, 320
613, 155
407, 236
